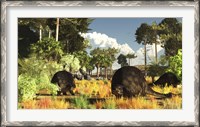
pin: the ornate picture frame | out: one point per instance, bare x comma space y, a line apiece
5, 78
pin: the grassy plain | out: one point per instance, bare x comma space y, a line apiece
96, 94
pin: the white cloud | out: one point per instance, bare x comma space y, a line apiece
139, 60
104, 41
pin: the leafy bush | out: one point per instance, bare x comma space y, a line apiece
155, 70
35, 73
31, 66
43, 82
81, 102
47, 48
175, 65
71, 63
27, 87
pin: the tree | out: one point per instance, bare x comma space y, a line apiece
90, 66
103, 58
144, 36
108, 60
69, 32
29, 32
110, 55
176, 64
57, 28
171, 35
36, 24
26, 37
122, 60
70, 63
84, 59
155, 37
131, 56
155, 70
47, 48
97, 56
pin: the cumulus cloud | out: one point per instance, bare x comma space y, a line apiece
139, 60
104, 41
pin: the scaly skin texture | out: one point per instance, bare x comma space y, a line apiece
168, 78
129, 81
65, 81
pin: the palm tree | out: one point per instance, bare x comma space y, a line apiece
155, 39
112, 53
144, 36
130, 56
97, 56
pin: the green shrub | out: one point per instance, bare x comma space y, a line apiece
36, 73
27, 87
71, 63
175, 65
47, 48
109, 104
43, 82
81, 102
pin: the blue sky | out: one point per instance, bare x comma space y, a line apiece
122, 29
119, 33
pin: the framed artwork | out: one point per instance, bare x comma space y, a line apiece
83, 63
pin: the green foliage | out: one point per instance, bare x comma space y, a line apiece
35, 75
29, 32
103, 58
47, 48
31, 29
131, 56
83, 57
69, 33
122, 60
26, 87
29, 86
145, 34
156, 70
171, 35
35, 67
109, 104
175, 64
163, 60
26, 37
70, 62
81, 102
43, 82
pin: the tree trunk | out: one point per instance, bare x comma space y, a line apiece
152, 79
156, 54
97, 71
145, 58
57, 29
106, 74
111, 70
49, 33
100, 71
40, 33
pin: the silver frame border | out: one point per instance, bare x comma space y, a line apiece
5, 4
